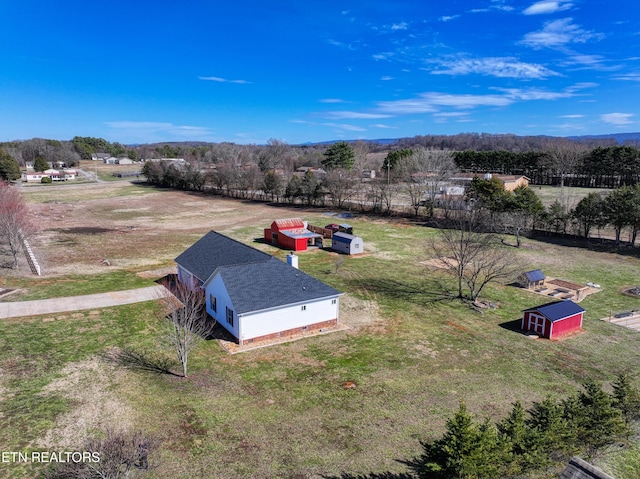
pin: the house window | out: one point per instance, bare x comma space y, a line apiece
214, 303
230, 316
333, 301
303, 308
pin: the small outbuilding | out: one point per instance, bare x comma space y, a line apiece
346, 243
553, 320
291, 233
532, 279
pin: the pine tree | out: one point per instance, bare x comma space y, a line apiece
40, 164
523, 444
466, 451
556, 435
598, 423
626, 398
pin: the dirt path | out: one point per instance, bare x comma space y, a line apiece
76, 303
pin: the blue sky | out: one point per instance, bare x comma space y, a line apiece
140, 71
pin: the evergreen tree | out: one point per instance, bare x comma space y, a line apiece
557, 435
466, 451
40, 164
626, 398
598, 422
523, 444
339, 155
9, 167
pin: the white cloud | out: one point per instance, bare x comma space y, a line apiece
558, 33
618, 119
386, 78
224, 80
352, 115
548, 6
501, 67
400, 26
148, 131
635, 76
331, 100
430, 103
571, 116
448, 18
345, 126
380, 125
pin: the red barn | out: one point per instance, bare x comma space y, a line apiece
291, 234
552, 320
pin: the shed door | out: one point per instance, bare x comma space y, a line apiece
536, 323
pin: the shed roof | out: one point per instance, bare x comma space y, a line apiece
344, 237
214, 250
535, 275
558, 310
300, 233
579, 469
251, 286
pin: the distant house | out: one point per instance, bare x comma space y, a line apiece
55, 175
99, 156
124, 161
532, 279
553, 320
291, 233
254, 295
510, 182
318, 172
346, 243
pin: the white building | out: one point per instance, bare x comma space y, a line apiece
254, 295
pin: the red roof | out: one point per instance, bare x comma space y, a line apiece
288, 224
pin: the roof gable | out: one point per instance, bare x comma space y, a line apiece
290, 223
535, 275
579, 469
214, 250
558, 310
270, 284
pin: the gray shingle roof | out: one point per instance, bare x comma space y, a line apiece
579, 469
269, 284
214, 250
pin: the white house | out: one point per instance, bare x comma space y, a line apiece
346, 243
254, 295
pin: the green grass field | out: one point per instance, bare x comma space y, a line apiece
281, 411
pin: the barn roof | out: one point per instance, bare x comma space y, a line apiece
535, 275
579, 469
251, 286
558, 310
289, 223
214, 250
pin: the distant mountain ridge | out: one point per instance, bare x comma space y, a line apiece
620, 138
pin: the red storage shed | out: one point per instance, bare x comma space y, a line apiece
553, 320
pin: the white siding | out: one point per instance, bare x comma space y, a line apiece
288, 317
217, 288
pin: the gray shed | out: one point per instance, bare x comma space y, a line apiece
346, 243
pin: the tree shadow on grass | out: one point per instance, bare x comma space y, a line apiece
380, 475
422, 293
139, 361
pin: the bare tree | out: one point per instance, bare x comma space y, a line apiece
424, 173
116, 455
187, 322
565, 158
475, 258
15, 225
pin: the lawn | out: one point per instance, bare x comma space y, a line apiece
281, 411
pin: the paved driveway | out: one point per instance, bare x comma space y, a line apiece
76, 303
